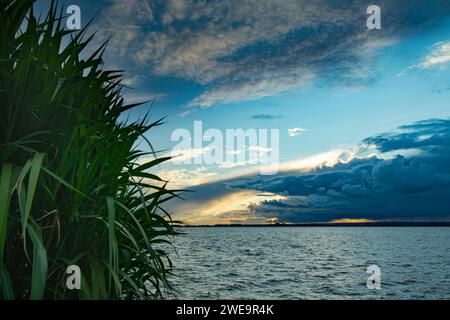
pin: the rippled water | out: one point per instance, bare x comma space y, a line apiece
312, 263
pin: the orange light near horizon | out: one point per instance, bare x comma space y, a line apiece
349, 220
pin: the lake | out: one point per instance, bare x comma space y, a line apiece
312, 262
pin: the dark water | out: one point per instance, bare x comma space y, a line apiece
312, 263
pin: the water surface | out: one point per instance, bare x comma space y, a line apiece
312, 262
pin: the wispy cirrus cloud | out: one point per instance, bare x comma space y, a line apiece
248, 50
253, 89
122, 22
438, 57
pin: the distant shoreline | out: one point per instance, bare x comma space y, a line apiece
324, 224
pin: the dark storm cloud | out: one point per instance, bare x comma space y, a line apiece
426, 134
414, 187
395, 188
246, 50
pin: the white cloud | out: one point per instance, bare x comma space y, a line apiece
252, 90
439, 55
182, 178
185, 155
293, 132
132, 80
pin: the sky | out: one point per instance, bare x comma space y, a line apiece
363, 115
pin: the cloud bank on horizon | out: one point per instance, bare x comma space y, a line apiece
408, 179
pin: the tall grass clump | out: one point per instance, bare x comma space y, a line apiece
73, 187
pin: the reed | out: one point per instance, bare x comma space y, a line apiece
73, 187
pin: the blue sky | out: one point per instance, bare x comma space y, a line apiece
282, 65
